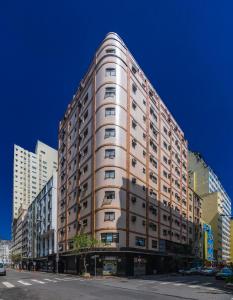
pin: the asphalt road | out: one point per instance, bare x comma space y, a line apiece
45, 286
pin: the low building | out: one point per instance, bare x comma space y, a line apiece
195, 224
17, 242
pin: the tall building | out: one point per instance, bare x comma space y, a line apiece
122, 174
204, 181
31, 172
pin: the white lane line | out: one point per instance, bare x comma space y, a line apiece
178, 284
59, 279
164, 282
206, 283
194, 286
8, 284
212, 289
50, 280
24, 282
38, 281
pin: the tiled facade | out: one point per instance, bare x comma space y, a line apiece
122, 165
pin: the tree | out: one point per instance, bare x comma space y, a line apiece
82, 244
16, 258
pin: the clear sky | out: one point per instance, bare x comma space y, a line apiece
184, 47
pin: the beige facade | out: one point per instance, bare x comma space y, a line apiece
31, 172
17, 232
122, 174
212, 211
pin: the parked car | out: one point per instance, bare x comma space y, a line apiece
191, 271
209, 271
2, 269
224, 273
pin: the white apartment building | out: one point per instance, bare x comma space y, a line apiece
40, 225
204, 181
31, 172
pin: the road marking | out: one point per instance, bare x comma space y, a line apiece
50, 280
164, 282
24, 282
38, 281
59, 279
8, 284
194, 286
212, 289
178, 284
206, 283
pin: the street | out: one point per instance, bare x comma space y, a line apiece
45, 286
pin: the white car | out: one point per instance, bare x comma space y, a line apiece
2, 269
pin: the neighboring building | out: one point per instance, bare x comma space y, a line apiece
40, 225
212, 210
5, 246
17, 232
231, 255
122, 168
208, 243
195, 223
31, 172
204, 181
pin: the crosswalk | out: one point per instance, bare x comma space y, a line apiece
29, 282
190, 284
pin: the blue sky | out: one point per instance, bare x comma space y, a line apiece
184, 47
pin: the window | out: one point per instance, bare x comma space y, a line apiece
134, 105
110, 132
109, 237
110, 50
110, 111
134, 124
109, 153
85, 169
110, 72
140, 241
134, 88
109, 174
109, 195
109, 216
110, 92
165, 130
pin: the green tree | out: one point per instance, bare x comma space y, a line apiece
15, 258
82, 244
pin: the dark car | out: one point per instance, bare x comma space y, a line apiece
209, 271
2, 269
